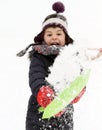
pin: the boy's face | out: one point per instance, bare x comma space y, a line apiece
54, 36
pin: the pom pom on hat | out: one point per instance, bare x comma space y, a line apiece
58, 7
56, 18
53, 20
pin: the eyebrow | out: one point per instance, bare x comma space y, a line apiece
47, 31
59, 30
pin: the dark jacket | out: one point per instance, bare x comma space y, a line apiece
38, 71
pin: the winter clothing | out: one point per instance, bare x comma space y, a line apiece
77, 98
45, 96
42, 49
38, 71
42, 57
55, 20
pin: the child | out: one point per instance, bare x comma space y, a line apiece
54, 35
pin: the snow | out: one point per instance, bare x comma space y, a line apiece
88, 111
19, 22
72, 63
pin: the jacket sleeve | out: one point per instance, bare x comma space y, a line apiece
37, 73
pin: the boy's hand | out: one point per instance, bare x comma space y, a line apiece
77, 98
45, 96
60, 113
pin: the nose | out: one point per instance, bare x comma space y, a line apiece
54, 37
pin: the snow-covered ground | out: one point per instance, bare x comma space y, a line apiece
19, 22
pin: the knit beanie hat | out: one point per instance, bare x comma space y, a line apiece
55, 20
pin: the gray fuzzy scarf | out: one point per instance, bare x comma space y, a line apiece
42, 49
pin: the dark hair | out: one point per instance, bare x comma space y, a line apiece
40, 37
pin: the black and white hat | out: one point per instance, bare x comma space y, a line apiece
53, 20
56, 20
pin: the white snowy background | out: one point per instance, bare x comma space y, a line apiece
20, 21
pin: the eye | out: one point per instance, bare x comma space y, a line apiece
59, 34
49, 35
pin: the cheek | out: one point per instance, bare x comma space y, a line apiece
46, 40
44, 37
63, 41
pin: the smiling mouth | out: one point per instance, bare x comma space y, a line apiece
55, 43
